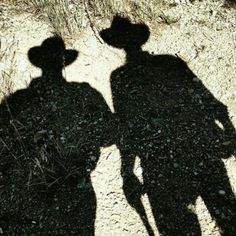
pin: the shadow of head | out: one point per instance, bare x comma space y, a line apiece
123, 34
52, 55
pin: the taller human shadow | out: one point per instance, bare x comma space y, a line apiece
167, 118
52, 133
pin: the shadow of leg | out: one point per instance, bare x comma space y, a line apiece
173, 217
221, 203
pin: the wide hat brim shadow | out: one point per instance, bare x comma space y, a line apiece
52, 53
123, 33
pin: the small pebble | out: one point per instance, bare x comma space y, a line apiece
195, 79
131, 125
222, 192
93, 158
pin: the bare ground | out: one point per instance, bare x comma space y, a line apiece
204, 37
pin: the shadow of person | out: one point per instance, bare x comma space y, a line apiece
168, 119
51, 134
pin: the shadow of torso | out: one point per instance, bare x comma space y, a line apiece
55, 129
167, 118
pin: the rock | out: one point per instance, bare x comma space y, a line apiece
93, 158
226, 143
131, 125
222, 192
195, 79
175, 165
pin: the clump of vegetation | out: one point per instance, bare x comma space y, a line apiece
68, 17
7, 70
150, 11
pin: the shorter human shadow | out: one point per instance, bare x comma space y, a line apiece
178, 129
51, 134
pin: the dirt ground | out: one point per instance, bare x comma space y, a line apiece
106, 119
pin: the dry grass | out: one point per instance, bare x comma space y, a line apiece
68, 17
148, 10
7, 70
151, 12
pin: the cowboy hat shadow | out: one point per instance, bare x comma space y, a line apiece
52, 54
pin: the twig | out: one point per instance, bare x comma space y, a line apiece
94, 29
8, 148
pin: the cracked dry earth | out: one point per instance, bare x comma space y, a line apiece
205, 38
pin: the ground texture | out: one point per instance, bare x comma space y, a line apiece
123, 140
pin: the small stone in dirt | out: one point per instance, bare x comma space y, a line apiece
175, 165
1, 231
211, 68
191, 207
195, 79
227, 143
93, 158
222, 192
131, 125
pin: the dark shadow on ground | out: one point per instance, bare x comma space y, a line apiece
51, 134
167, 117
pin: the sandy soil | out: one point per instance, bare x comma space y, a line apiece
204, 37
